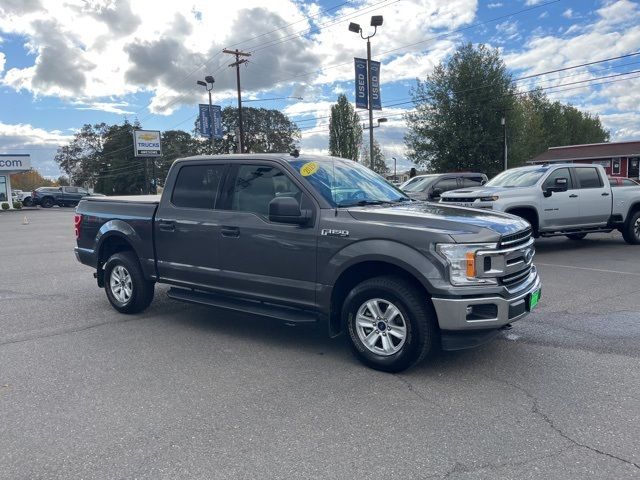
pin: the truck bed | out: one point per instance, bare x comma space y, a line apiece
152, 199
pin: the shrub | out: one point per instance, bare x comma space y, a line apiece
5, 206
17, 204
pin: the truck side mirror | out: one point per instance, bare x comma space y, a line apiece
287, 210
560, 185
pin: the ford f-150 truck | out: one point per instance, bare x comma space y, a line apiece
559, 199
315, 239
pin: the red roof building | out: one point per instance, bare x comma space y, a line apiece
619, 159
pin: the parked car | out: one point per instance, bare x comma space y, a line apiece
622, 182
21, 196
559, 199
431, 187
47, 197
310, 239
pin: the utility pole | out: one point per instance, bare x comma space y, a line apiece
370, 101
237, 53
503, 121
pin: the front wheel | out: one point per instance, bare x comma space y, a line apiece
390, 322
631, 230
127, 289
46, 202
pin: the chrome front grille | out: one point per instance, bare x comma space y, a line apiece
459, 199
516, 278
515, 239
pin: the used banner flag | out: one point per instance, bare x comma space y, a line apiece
362, 93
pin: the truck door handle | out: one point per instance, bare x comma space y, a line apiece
604, 194
230, 232
573, 195
167, 225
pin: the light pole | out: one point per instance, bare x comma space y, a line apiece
376, 21
503, 122
395, 170
208, 84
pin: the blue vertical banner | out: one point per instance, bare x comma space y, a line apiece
205, 121
376, 102
216, 112
362, 93
208, 125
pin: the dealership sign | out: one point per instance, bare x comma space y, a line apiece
362, 91
363, 87
210, 124
147, 143
15, 163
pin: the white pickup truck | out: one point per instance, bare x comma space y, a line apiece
559, 199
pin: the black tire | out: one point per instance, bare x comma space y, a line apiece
140, 290
46, 202
421, 331
576, 236
27, 202
631, 230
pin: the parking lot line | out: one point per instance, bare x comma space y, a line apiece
636, 274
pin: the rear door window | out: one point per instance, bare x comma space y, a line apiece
197, 186
446, 184
472, 181
588, 177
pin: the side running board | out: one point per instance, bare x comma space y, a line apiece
280, 312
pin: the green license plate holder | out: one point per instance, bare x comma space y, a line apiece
534, 298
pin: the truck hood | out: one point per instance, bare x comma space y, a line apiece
462, 224
482, 192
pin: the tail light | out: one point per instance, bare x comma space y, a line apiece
77, 221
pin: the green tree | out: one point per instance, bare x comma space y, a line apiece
62, 180
345, 130
265, 131
176, 144
29, 181
80, 159
379, 164
456, 125
121, 172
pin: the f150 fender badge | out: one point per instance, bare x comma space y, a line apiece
327, 232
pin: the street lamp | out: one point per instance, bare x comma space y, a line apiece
380, 120
395, 171
208, 84
376, 21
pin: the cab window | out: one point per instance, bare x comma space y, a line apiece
197, 186
588, 177
559, 173
256, 185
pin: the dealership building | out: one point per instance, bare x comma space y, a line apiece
619, 159
11, 164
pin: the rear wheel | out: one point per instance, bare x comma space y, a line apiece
390, 322
576, 236
46, 202
127, 289
631, 230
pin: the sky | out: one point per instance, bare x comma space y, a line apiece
65, 64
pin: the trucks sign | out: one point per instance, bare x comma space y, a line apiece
147, 143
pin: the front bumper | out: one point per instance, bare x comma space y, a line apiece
477, 313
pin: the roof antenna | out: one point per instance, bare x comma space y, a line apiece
295, 153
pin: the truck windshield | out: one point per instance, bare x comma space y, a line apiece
419, 185
517, 178
345, 183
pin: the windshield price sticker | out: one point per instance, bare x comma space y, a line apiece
309, 168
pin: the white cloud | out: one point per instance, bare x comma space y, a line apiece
531, 3
568, 13
95, 51
2, 61
109, 107
494, 5
544, 14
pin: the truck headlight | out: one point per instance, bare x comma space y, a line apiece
492, 198
461, 258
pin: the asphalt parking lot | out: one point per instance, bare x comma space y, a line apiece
183, 391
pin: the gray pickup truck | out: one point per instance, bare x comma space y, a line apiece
308, 239
559, 199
